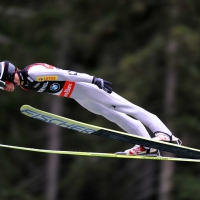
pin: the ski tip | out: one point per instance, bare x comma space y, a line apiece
24, 107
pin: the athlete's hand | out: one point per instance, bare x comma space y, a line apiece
103, 84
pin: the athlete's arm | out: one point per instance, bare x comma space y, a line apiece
40, 72
44, 72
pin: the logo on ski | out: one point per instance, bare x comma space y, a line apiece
58, 122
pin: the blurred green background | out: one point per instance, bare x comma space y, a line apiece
148, 49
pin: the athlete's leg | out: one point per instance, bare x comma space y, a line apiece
127, 123
90, 92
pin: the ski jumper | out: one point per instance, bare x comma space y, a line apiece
41, 77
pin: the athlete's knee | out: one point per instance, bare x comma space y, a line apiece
137, 123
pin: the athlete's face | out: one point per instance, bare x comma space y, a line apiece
10, 87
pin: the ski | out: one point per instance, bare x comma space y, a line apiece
108, 133
104, 155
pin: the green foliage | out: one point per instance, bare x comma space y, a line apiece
187, 188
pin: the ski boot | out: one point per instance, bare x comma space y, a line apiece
159, 136
139, 150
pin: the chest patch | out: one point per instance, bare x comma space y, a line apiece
67, 89
55, 87
46, 78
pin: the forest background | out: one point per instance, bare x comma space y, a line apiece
148, 49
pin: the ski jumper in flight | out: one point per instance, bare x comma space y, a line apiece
94, 94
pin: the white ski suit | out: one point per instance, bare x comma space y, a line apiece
41, 77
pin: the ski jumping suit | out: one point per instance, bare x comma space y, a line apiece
41, 77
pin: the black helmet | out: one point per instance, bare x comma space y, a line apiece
7, 71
